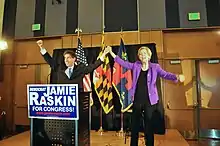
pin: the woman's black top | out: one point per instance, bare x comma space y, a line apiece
141, 93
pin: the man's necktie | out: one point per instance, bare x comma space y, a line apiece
70, 72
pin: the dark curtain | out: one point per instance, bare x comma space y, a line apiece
112, 120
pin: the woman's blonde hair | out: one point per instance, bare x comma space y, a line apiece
147, 49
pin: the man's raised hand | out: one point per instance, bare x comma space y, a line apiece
40, 43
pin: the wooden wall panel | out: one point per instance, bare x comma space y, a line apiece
21, 83
183, 120
131, 38
180, 97
145, 37
21, 116
192, 44
153, 37
51, 44
157, 38
6, 86
7, 56
27, 51
172, 114
86, 40
7, 95
112, 39
96, 40
74, 40
70, 41
67, 41
45, 73
20, 92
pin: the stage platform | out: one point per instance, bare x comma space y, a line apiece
110, 138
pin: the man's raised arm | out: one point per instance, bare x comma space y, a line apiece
46, 55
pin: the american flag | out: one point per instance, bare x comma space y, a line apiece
81, 58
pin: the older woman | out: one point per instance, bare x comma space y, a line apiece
144, 91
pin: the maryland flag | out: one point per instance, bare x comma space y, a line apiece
122, 80
103, 83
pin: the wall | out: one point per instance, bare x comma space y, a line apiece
7, 85
114, 15
192, 47
185, 44
23, 59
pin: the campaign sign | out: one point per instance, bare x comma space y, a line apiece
53, 101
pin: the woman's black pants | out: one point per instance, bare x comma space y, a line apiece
145, 112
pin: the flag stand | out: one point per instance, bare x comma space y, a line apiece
101, 129
121, 132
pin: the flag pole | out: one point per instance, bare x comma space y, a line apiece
138, 14
121, 34
121, 132
76, 121
101, 131
103, 28
78, 31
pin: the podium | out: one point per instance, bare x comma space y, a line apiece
58, 132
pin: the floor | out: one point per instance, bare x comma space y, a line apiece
172, 138
204, 143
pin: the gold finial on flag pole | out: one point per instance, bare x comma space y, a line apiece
78, 31
121, 34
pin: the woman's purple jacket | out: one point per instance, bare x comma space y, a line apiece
153, 71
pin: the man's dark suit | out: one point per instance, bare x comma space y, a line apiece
78, 73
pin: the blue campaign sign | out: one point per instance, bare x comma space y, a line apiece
53, 101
